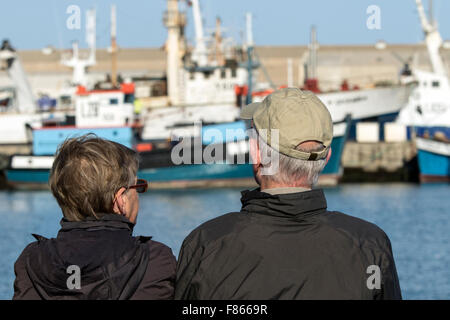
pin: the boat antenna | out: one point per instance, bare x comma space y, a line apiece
113, 46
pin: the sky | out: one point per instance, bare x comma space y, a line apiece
36, 24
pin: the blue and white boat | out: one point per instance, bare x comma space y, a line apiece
163, 167
106, 113
234, 168
433, 152
428, 109
216, 158
434, 160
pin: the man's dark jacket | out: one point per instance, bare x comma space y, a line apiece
286, 246
113, 264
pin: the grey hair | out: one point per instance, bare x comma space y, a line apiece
290, 171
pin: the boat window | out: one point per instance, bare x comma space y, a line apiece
113, 101
233, 72
435, 84
223, 73
128, 98
65, 100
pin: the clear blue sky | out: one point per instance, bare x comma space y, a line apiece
35, 24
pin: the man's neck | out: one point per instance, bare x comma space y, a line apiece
281, 188
276, 191
273, 185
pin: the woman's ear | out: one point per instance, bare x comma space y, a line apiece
119, 201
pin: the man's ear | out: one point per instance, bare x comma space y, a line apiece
328, 155
254, 152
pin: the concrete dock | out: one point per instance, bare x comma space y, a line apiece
380, 162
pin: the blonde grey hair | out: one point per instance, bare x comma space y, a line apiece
86, 174
291, 171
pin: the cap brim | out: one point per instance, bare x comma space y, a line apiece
248, 111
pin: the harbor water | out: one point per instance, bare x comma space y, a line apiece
415, 217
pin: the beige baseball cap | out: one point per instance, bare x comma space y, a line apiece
299, 116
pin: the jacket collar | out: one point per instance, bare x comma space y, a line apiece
106, 221
284, 205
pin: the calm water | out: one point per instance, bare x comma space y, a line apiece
416, 218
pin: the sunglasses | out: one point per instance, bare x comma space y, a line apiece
141, 186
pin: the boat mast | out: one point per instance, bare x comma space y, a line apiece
79, 65
91, 35
113, 47
432, 38
313, 46
174, 22
249, 33
199, 55
218, 43
430, 12
311, 81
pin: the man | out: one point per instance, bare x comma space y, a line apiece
284, 244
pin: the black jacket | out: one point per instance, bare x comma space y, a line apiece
113, 264
286, 247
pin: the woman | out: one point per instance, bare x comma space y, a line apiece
94, 255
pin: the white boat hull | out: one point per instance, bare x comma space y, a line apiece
162, 123
362, 104
13, 127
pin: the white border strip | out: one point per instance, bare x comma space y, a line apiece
32, 162
433, 146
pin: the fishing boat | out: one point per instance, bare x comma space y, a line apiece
19, 107
379, 104
22, 109
428, 108
201, 82
211, 84
434, 160
106, 113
